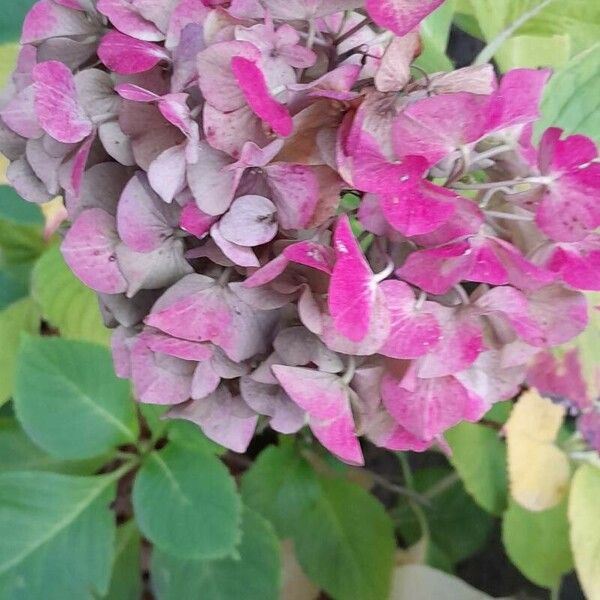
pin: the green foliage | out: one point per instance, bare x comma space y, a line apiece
281, 486
12, 207
572, 98
253, 575
343, 538
56, 535
11, 18
19, 453
447, 515
126, 583
69, 400
186, 504
576, 23
538, 543
65, 302
435, 31
18, 318
479, 456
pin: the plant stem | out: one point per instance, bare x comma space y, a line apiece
410, 484
492, 48
340, 40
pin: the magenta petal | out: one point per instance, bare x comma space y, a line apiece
195, 221
352, 289
46, 20
578, 263
311, 254
414, 331
224, 418
126, 55
56, 104
250, 221
89, 250
433, 406
415, 206
326, 400
460, 343
400, 16
254, 87
437, 270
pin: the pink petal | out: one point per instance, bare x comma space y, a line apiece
158, 378
46, 20
254, 87
435, 127
270, 400
89, 248
58, 111
184, 349
400, 16
223, 417
167, 173
326, 400
394, 71
143, 219
126, 55
432, 406
414, 331
461, 342
195, 221
240, 255
19, 114
352, 290
215, 77
577, 263
295, 193
123, 15
250, 221
205, 381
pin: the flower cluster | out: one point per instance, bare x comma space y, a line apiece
285, 221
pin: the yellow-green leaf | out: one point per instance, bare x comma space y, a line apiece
584, 517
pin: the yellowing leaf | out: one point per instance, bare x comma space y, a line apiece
538, 470
584, 517
54, 214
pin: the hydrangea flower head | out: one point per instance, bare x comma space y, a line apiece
203, 149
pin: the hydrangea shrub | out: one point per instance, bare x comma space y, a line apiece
296, 230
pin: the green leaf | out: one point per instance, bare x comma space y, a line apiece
479, 456
584, 517
8, 58
69, 400
572, 97
14, 285
56, 535
65, 302
281, 486
14, 208
19, 453
255, 575
19, 243
186, 503
578, 19
345, 543
499, 412
533, 51
420, 582
458, 527
11, 17
435, 32
186, 433
18, 318
126, 581
538, 543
